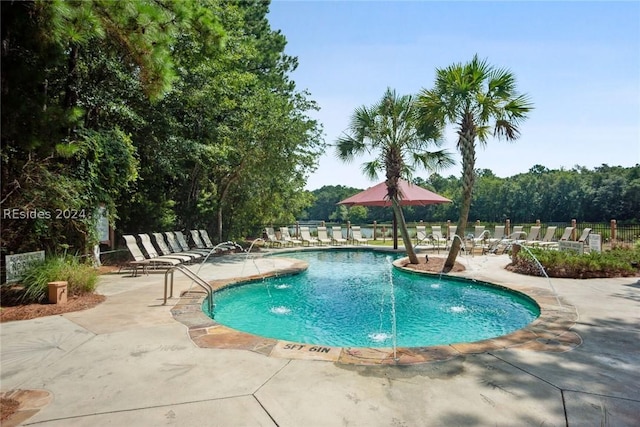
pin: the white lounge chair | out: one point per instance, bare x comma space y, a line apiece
566, 236
286, 237
152, 253
533, 236
139, 260
336, 235
421, 235
177, 247
356, 236
305, 236
323, 237
548, 236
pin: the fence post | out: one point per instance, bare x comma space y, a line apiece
297, 229
448, 228
574, 224
507, 227
375, 226
614, 231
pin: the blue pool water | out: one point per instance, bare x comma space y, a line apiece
344, 299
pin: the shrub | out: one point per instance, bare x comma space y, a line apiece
617, 262
81, 278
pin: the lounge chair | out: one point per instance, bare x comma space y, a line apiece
356, 236
548, 237
336, 235
533, 236
437, 237
566, 236
323, 237
496, 239
182, 241
139, 260
480, 235
421, 235
198, 241
585, 235
164, 250
498, 234
451, 233
270, 237
480, 239
152, 253
177, 247
206, 239
517, 233
286, 237
305, 235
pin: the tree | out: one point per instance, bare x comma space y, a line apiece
63, 144
475, 97
389, 129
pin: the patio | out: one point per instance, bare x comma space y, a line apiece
128, 361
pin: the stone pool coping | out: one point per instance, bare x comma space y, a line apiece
550, 332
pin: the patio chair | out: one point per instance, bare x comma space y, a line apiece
496, 239
517, 233
480, 239
548, 237
163, 248
323, 237
198, 241
182, 242
437, 237
139, 260
451, 233
533, 236
175, 246
585, 235
480, 235
517, 236
336, 235
566, 236
305, 236
205, 238
286, 237
421, 234
152, 253
356, 236
270, 237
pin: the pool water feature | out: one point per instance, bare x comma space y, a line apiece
343, 299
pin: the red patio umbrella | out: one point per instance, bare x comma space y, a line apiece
410, 195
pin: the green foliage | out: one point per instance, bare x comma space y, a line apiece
621, 261
170, 114
81, 278
544, 194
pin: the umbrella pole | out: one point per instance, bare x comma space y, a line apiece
395, 231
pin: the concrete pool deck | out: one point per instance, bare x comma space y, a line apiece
128, 361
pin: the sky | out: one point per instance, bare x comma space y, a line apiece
579, 63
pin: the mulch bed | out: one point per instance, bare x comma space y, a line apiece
32, 311
434, 265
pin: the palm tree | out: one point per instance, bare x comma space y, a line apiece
481, 101
389, 129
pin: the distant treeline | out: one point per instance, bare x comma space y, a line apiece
598, 195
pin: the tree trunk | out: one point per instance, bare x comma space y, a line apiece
466, 145
406, 239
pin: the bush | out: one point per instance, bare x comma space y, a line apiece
617, 262
81, 278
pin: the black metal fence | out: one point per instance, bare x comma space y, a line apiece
624, 233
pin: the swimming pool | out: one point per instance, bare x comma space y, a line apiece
344, 299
